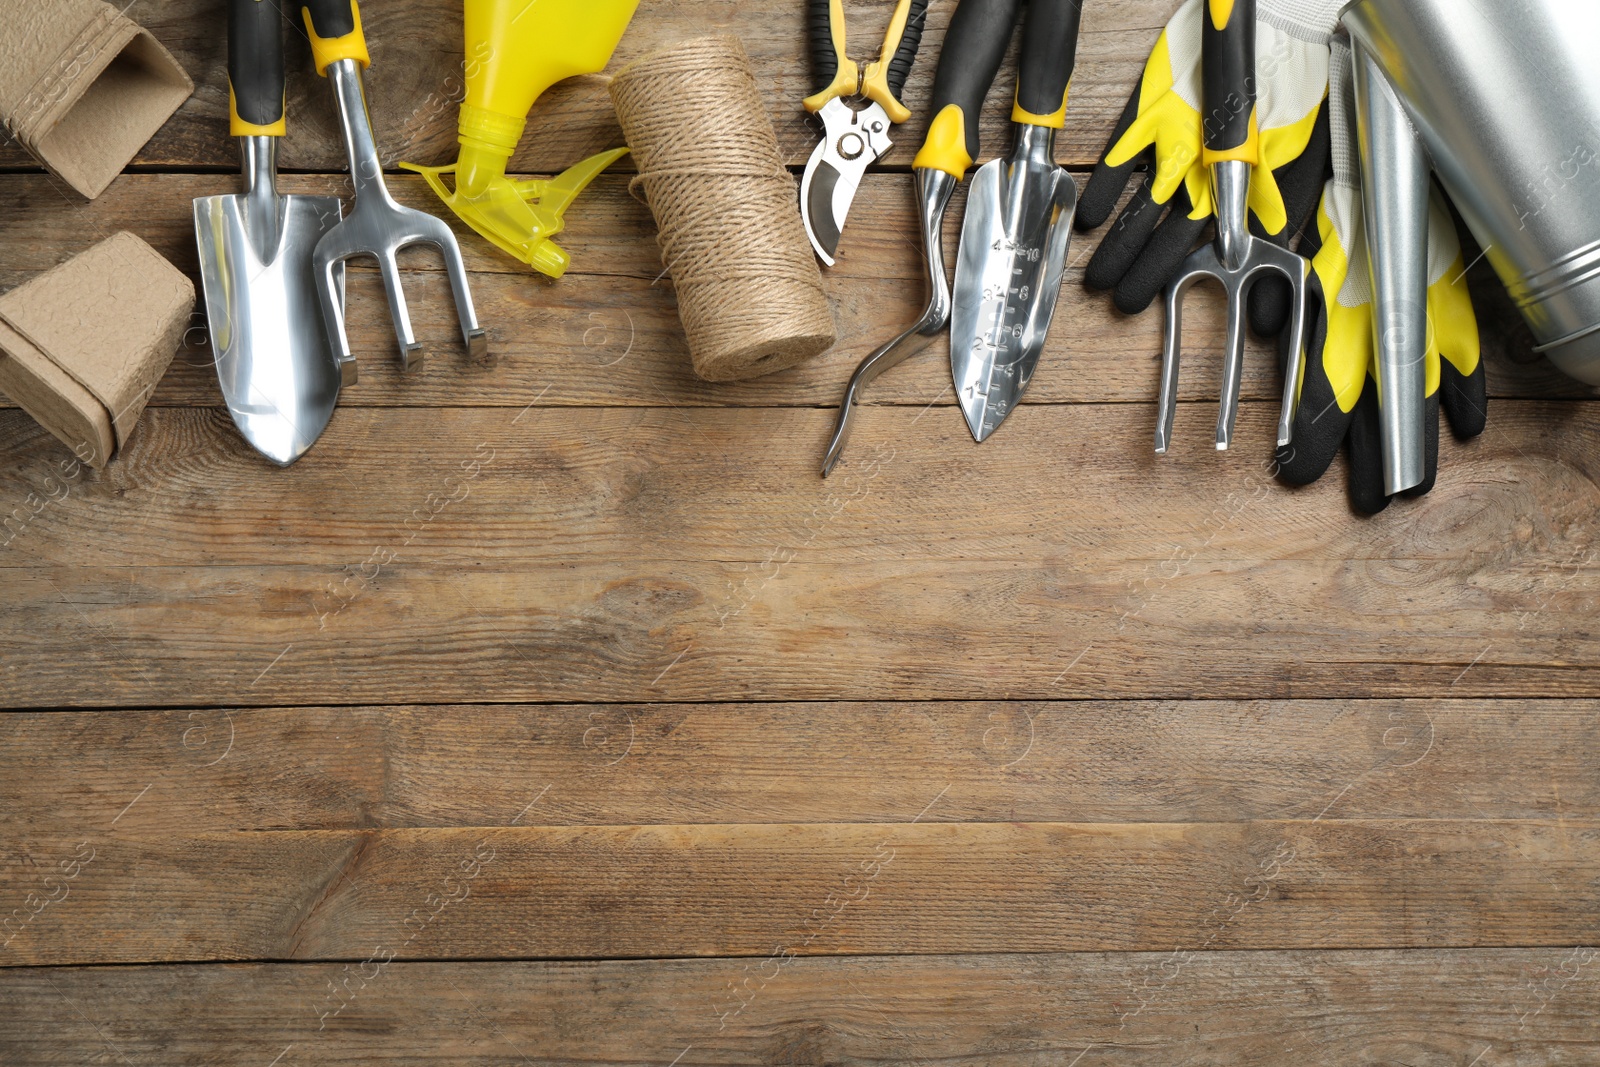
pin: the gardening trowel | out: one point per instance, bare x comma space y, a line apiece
278, 373
1015, 234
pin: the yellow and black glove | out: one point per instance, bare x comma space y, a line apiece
1162, 129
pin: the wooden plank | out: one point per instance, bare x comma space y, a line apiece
445, 556
1093, 761
414, 84
1316, 1009
608, 333
98, 895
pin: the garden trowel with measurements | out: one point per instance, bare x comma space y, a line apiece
1016, 231
278, 373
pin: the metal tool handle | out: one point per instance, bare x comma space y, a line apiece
1049, 53
1228, 80
255, 69
974, 45
334, 27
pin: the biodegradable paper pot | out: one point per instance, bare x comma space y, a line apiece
83, 344
83, 87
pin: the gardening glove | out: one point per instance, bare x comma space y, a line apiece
1162, 125
1338, 399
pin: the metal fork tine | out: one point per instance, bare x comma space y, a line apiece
1233, 365
328, 294
473, 335
412, 352
1296, 367
1167, 406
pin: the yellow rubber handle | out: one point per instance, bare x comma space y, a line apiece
846, 75
875, 78
325, 51
238, 127
945, 147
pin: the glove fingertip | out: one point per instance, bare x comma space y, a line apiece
1133, 297
1465, 399
1431, 450
1367, 496
1100, 196
1365, 452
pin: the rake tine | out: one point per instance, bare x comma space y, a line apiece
1233, 366
412, 351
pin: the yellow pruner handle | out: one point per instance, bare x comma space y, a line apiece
829, 63
885, 77
334, 27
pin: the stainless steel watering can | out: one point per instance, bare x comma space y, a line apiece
1506, 98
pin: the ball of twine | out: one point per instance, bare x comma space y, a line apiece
749, 291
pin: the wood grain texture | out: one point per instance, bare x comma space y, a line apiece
637, 554
414, 84
1093, 761
608, 333
1306, 1009
528, 891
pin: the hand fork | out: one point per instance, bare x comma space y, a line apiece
376, 225
1235, 258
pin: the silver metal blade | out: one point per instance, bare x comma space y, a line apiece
277, 370
851, 142
817, 194
1013, 254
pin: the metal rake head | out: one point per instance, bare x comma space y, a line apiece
1237, 267
380, 228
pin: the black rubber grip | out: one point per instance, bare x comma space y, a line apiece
1228, 74
819, 31
906, 54
331, 18
974, 46
1049, 50
255, 60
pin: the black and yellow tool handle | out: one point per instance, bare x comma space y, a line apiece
334, 27
1228, 80
1044, 70
974, 46
835, 74
255, 69
885, 77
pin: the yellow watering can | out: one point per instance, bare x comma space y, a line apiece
516, 49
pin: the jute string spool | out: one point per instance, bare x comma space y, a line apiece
749, 291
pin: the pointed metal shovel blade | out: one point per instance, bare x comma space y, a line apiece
1013, 253
278, 373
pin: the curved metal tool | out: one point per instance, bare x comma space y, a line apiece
1235, 258
934, 188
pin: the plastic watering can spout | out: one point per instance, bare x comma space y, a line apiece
516, 49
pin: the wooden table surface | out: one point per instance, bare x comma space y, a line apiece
558, 712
